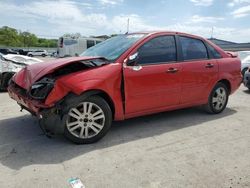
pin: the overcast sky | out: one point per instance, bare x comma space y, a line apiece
229, 18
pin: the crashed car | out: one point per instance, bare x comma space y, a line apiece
10, 64
123, 77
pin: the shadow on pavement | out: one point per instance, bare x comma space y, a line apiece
246, 91
22, 143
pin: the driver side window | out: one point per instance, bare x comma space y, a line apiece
158, 50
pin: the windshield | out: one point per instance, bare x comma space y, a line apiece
112, 48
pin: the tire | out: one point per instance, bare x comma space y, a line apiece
30, 55
243, 72
83, 127
43, 55
218, 99
5, 80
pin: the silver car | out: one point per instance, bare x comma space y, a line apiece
245, 61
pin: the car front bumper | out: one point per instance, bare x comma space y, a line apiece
24, 100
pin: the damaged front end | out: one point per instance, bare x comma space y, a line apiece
41, 90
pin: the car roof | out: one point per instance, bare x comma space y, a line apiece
161, 32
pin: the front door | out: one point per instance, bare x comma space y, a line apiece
154, 83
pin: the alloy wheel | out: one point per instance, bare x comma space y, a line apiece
86, 120
219, 98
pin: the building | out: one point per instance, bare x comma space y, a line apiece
231, 46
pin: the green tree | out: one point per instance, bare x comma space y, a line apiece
9, 36
28, 39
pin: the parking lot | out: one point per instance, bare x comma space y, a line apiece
184, 148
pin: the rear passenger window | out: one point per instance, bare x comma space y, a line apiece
90, 43
213, 52
193, 49
158, 50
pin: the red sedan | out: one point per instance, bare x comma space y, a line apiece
123, 77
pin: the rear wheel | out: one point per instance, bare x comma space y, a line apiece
88, 120
218, 99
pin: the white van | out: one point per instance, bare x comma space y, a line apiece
68, 46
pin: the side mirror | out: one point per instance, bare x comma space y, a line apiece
132, 60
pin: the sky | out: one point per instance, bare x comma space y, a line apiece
223, 19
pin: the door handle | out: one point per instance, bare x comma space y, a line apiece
209, 65
136, 68
172, 70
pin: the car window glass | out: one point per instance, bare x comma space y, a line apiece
158, 50
215, 54
193, 49
68, 41
90, 43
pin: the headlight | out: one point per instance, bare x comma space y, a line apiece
42, 88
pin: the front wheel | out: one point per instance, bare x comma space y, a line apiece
87, 120
218, 99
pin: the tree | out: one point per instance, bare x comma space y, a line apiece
9, 36
72, 35
28, 39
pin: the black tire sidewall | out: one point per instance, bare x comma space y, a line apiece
210, 103
5, 80
243, 72
96, 100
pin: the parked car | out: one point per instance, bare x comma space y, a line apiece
123, 77
42, 53
247, 79
53, 54
23, 52
10, 64
6, 51
245, 64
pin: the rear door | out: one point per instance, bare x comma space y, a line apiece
155, 82
199, 70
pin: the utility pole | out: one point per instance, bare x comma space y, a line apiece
128, 26
212, 33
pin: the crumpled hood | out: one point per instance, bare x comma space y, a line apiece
30, 74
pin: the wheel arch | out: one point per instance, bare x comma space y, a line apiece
102, 94
227, 84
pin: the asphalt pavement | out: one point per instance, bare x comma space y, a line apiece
182, 148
